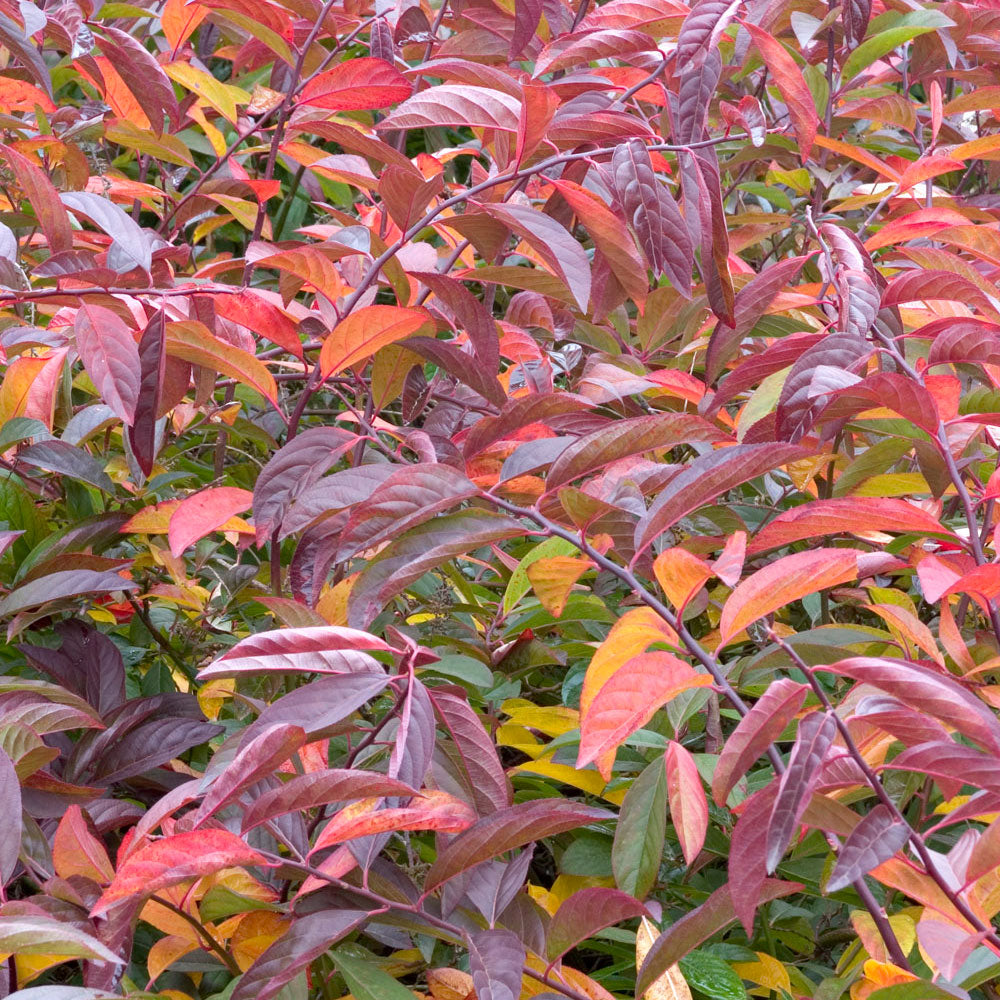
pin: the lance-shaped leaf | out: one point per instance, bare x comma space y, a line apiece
507, 829
39, 191
962, 339
926, 690
366, 980
952, 764
111, 357
152, 365
33, 934
78, 850
202, 513
584, 914
178, 858
261, 757
550, 409
552, 242
421, 549
142, 74
684, 935
324, 649
130, 247
623, 438
815, 736
706, 479
357, 84
630, 698
496, 961
308, 937
756, 731
875, 839
321, 788
702, 28
64, 583
357, 337
671, 984
783, 581
848, 515
640, 833
748, 854
450, 104
686, 795
10, 821
653, 215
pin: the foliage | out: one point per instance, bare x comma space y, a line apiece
499, 499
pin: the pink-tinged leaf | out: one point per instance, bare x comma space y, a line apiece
61, 584
450, 104
527, 17
705, 479
421, 549
13, 37
875, 839
748, 854
496, 962
584, 914
952, 764
729, 566
130, 246
485, 779
701, 30
630, 698
259, 759
885, 390
815, 737
552, 242
202, 513
855, 14
110, 355
845, 516
551, 409
357, 338
326, 649
749, 115
623, 438
653, 215
688, 805
40, 193
783, 581
307, 938
792, 85
179, 858
36, 934
757, 730
10, 820
696, 927
962, 339
985, 856
249, 309
358, 84
142, 74
506, 830
926, 690
581, 48
152, 365
909, 727
945, 944
321, 788
431, 810
292, 470
921, 285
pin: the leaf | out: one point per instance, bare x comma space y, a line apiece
814, 738
594, 451
630, 698
695, 927
507, 829
62, 584
783, 581
419, 550
357, 84
640, 833
875, 839
320, 649
10, 822
652, 215
67, 460
14, 38
202, 513
671, 985
142, 75
688, 805
705, 479
367, 981
757, 730
130, 247
362, 333
77, 849
584, 914
680, 575
193, 341
308, 937
748, 854
701, 30
552, 242
790, 82
109, 353
42, 935
152, 365
553, 580
448, 104
161, 863
711, 976
320, 788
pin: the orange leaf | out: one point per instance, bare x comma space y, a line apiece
552, 580
364, 332
199, 515
681, 574
77, 850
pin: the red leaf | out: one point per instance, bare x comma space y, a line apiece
248, 308
200, 514
688, 805
449, 104
109, 353
41, 194
179, 858
875, 839
152, 365
357, 84
362, 333
748, 853
584, 914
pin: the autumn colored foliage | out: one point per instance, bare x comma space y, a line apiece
498, 499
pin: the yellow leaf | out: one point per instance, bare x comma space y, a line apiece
222, 96
332, 604
449, 984
552, 720
165, 952
671, 985
767, 971
553, 580
254, 934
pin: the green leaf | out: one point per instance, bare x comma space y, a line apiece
641, 831
366, 980
519, 584
710, 975
908, 27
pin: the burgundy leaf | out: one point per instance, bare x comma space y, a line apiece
331, 495
585, 913
496, 961
143, 76
748, 854
875, 839
152, 366
546, 408
62, 584
953, 764
109, 353
702, 28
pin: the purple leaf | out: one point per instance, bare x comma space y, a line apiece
585, 913
815, 736
10, 818
875, 839
527, 17
549, 408
331, 494
130, 247
65, 583
702, 28
467, 313
462, 366
142, 74
747, 854
496, 961
150, 745
414, 744
111, 357
152, 365
67, 460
